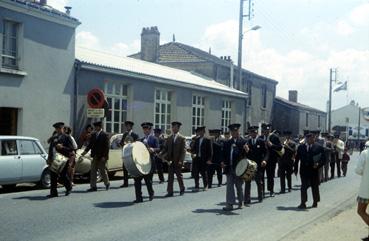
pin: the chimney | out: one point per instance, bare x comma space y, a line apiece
150, 41
68, 9
43, 2
292, 95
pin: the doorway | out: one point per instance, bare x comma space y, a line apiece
8, 121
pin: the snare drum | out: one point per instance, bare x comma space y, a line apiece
58, 163
136, 159
246, 169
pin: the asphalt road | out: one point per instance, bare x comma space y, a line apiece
110, 215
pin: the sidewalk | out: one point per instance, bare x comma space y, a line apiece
345, 226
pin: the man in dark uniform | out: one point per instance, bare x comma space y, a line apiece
202, 152
274, 148
128, 136
99, 146
286, 162
234, 150
152, 144
217, 157
174, 152
257, 153
311, 157
158, 161
60, 143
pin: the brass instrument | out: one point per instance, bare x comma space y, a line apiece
281, 152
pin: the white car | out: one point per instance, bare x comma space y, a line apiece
22, 160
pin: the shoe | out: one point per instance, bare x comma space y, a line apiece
301, 206
289, 189
151, 197
282, 192
260, 200
365, 239
107, 187
92, 189
219, 185
169, 195
67, 192
272, 194
196, 189
315, 205
240, 205
161, 181
52, 196
181, 193
205, 189
228, 208
124, 185
248, 202
138, 201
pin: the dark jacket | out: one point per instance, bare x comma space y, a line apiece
99, 146
218, 145
206, 150
238, 153
129, 136
272, 155
258, 151
289, 153
307, 160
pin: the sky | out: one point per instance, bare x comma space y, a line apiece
297, 44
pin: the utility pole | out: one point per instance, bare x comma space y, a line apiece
332, 77
358, 126
240, 36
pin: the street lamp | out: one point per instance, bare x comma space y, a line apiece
256, 27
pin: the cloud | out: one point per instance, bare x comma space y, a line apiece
58, 4
359, 16
89, 40
344, 28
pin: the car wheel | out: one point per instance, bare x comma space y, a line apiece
9, 187
45, 179
111, 174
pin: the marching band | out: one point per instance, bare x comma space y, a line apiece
241, 158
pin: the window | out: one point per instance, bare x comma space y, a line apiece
162, 111
307, 119
318, 121
9, 148
116, 95
264, 96
27, 148
10, 45
249, 92
198, 112
226, 115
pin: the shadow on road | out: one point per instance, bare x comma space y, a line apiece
281, 208
113, 204
215, 211
33, 198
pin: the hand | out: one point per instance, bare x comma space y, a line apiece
59, 146
209, 162
222, 164
263, 163
269, 143
103, 159
246, 148
316, 165
151, 150
180, 163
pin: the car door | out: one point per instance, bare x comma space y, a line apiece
32, 160
10, 162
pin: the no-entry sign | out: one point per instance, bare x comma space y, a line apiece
96, 98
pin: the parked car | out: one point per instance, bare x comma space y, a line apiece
83, 164
22, 160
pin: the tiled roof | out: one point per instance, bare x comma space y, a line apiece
153, 71
297, 105
44, 9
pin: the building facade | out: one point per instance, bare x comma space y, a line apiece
348, 119
141, 91
261, 90
295, 117
36, 68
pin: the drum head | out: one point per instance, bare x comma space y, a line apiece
141, 157
241, 167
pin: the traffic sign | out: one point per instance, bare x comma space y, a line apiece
95, 113
95, 98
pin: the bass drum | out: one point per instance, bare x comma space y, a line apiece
136, 159
83, 163
246, 169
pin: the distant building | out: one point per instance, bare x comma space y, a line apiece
293, 116
261, 90
345, 120
36, 68
142, 91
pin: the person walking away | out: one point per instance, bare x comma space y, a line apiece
159, 165
345, 160
217, 157
72, 162
286, 162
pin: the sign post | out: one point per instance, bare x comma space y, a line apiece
96, 102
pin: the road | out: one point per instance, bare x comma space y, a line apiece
110, 215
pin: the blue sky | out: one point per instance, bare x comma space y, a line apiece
298, 42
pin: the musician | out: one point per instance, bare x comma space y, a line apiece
174, 152
234, 150
99, 146
60, 143
257, 153
339, 145
152, 144
128, 136
311, 157
217, 143
202, 152
274, 148
158, 161
286, 162
328, 149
